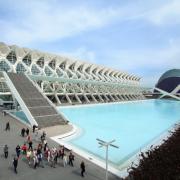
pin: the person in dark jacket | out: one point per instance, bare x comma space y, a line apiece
82, 166
71, 159
15, 164
18, 150
34, 128
7, 126
30, 144
27, 132
23, 132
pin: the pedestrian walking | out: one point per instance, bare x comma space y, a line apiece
28, 138
52, 160
65, 160
18, 150
6, 151
42, 139
27, 132
45, 145
34, 128
82, 166
24, 148
30, 144
44, 134
7, 126
48, 156
23, 132
71, 159
40, 159
61, 152
29, 155
35, 161
15, 164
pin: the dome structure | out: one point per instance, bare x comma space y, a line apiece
169, 80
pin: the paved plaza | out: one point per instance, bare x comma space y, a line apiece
12, 138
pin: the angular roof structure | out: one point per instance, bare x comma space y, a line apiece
68, 80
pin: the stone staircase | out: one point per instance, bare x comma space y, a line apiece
42, 111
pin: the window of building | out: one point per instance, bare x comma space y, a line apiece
4, 66
94, 71
62, 66
20, 68
27, 60
40, 62
11, 57
52, 64
59, 73
35, 70
72, 67
88, 69
48, 72
80, 68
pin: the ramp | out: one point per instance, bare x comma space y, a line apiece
34, 104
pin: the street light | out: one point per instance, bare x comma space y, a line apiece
106, 145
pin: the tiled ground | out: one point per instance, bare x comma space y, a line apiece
25, 172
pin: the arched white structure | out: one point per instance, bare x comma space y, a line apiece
68, 80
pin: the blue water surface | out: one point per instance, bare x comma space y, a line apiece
133, 125
21, 115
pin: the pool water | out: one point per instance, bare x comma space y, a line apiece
21, 115
132, 124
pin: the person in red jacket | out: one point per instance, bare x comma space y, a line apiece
24, 149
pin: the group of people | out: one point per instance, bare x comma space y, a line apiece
39, 153
24, 132
160, 162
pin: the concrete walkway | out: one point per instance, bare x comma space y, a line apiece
13, 138
57, 130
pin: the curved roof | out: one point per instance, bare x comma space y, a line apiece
36, 55
170, 73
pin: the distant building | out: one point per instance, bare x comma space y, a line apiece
170, 81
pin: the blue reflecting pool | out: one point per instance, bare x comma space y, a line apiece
132, 124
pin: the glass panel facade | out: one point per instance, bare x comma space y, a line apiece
27, 60
48, 72
59, 73
4, 66
52, 64
20, 68
40, 62
35, 70
62, 66
11, 57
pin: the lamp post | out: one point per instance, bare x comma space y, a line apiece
106, 145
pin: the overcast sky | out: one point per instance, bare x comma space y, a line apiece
136, 36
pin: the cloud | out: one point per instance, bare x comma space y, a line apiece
46, 21
153, 58
147, 63
166, 14
82, 53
